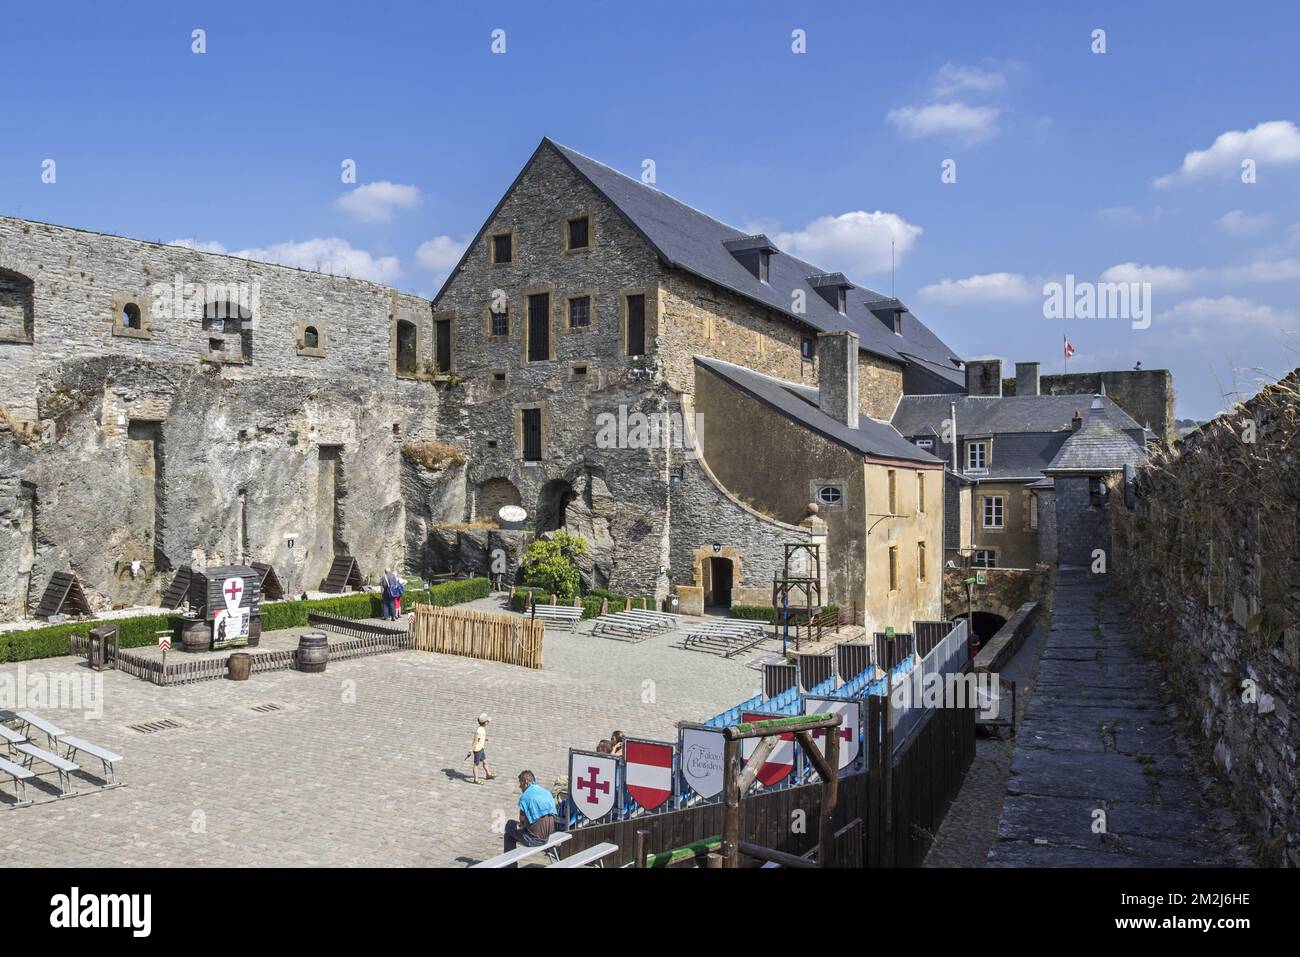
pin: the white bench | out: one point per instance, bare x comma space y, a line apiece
109, 758
521, 852
10, 736
52, 731
625, 625
595, 854
31, 752
20, 777
563, 615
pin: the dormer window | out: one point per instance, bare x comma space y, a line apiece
754, 253
889, 312
834, 288
808, 348
898, 323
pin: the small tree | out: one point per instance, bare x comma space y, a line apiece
551, 564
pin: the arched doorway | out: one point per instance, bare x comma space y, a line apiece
984, 626
718, 579
553, 505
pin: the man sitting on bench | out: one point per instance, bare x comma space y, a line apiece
537, 814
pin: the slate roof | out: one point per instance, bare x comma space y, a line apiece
688, 239
1097, 447
994, 415
798, 402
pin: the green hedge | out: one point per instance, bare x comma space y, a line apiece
767, 613
54, 640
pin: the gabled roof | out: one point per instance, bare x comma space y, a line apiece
799, 403
687, 239
1097, 447
994, 415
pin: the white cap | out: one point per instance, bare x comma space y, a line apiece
483, 718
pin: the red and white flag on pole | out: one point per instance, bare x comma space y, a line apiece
1069, 349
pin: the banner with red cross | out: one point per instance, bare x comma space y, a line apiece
593, 783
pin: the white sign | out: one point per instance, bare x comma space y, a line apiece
511, 513
850, 713
165, 643
230, 627
232, 589
702, 760
591, 783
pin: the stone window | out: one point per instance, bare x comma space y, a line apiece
17, 307
501, 248
984, 558
1097, 492
977, 456
443, 334
232, 322
311, 338
499, 323
893, 492
497, 381
828, 495
893, 568
920, 561
578, 371
920, 493
130, 315
537, 345
808, 348
992, 509
634, 339
407, 347
530, 434
579, 312
1033, 511
577, 234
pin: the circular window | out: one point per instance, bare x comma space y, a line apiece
829, 495
131, 316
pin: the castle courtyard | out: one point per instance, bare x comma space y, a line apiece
361, 765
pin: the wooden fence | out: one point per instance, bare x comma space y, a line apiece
478, 634
886, 816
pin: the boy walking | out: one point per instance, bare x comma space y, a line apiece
478, 749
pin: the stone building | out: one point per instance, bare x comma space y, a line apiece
161, 406
1007, 516
584, 300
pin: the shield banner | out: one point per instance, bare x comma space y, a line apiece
702, 760
592, 783
648, 771
780, 762
850, 713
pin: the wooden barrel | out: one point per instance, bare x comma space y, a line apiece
196, 634
239, 666
255, 629
313, 652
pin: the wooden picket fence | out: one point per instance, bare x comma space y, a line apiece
478, 634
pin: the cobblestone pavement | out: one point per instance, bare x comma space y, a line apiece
362, 765
1099, 774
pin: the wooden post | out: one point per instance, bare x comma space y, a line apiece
638, 850
830, 794
731, 810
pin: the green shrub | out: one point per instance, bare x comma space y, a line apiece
591, 606
752, 612
551, 564
53, 641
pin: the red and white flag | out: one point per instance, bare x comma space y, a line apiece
780, 762
649, 772
1069, 349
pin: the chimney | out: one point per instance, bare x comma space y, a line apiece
984, 377
1096, 403
1077, 422
837, 376
1026, 378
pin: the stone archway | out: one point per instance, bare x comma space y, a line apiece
494, 495
553, 504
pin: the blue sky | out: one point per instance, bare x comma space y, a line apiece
1123, 165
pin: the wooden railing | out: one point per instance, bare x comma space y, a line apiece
478, 634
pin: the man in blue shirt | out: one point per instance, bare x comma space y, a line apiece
537, 814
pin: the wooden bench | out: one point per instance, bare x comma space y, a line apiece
566, 616
52, 731
31, 752
520, 853
20, 776
107, 757
595, 854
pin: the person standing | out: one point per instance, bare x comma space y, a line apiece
478, 749
390, 589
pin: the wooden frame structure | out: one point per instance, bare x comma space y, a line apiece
272, 589
809, 587
736, 783
178, 590
343, 575
64, 592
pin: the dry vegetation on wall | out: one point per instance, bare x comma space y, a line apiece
434, 456
1209, 557
24, 433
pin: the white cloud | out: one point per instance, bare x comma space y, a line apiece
1162, 277
441, 253
376, 202
970, 123
985, 288
1225, 318
1237, 222
327, 255
952, 79
1275, 142
855, 243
